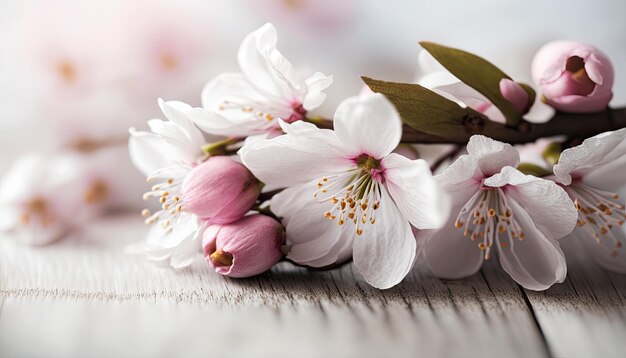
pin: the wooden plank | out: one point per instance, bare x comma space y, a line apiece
83, 296
585, 316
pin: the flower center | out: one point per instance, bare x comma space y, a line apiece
598, 212
355, 194
576, 67
168, 61
67, 71
259, 113
488, 218
169, 194
267, 112
96, 193
298, 113
37, 207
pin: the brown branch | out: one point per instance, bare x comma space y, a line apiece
581, 125
451, 155
268, 195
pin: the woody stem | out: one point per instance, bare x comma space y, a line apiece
573, 125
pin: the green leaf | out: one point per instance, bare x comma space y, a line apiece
479, 74
428, 112
531, 93
552, 153
532, 169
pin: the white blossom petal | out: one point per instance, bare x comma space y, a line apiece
175, 111
37, 232
8, 217
229, 86
460, 172
315, 96
303, 154
385, 253
598, 160
604, 250
58, 181
171, 142
548, 205
442, 82
449, 254
23, 175
266, 69
150, 152
415, 192
187, 251
439, 79
163, 247
369, 125
231, 106
464, 94
427, 64
227, 125
491, 154
175, 140
314, 240
536, 262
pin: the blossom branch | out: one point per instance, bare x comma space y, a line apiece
221, 147
582, 125
451, 155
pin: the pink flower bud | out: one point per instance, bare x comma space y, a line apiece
244, 248
515, 94
574, 77
220, 190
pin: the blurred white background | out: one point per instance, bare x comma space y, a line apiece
77, 72
71, 70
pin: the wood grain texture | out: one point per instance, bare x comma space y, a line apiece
586, 315
84, 296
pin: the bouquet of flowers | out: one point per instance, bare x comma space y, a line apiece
251, 178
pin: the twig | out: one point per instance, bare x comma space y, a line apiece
579, 125
268, 195
451, 155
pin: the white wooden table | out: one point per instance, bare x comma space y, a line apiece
85, 297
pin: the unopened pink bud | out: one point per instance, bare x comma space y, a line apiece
220, 190
574, 77
244, 248
515, 94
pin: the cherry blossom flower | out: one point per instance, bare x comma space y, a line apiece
192, 193
244, 248
351, 195
167, 154
435, 77
496, 207
593, 175
113, 181
42, 197
268, 88
574, 77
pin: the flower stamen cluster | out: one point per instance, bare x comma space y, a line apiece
488, 216
598, 212
169, 195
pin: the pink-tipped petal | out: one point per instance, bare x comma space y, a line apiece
220, 190
515, 94
574, 77
245, 248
